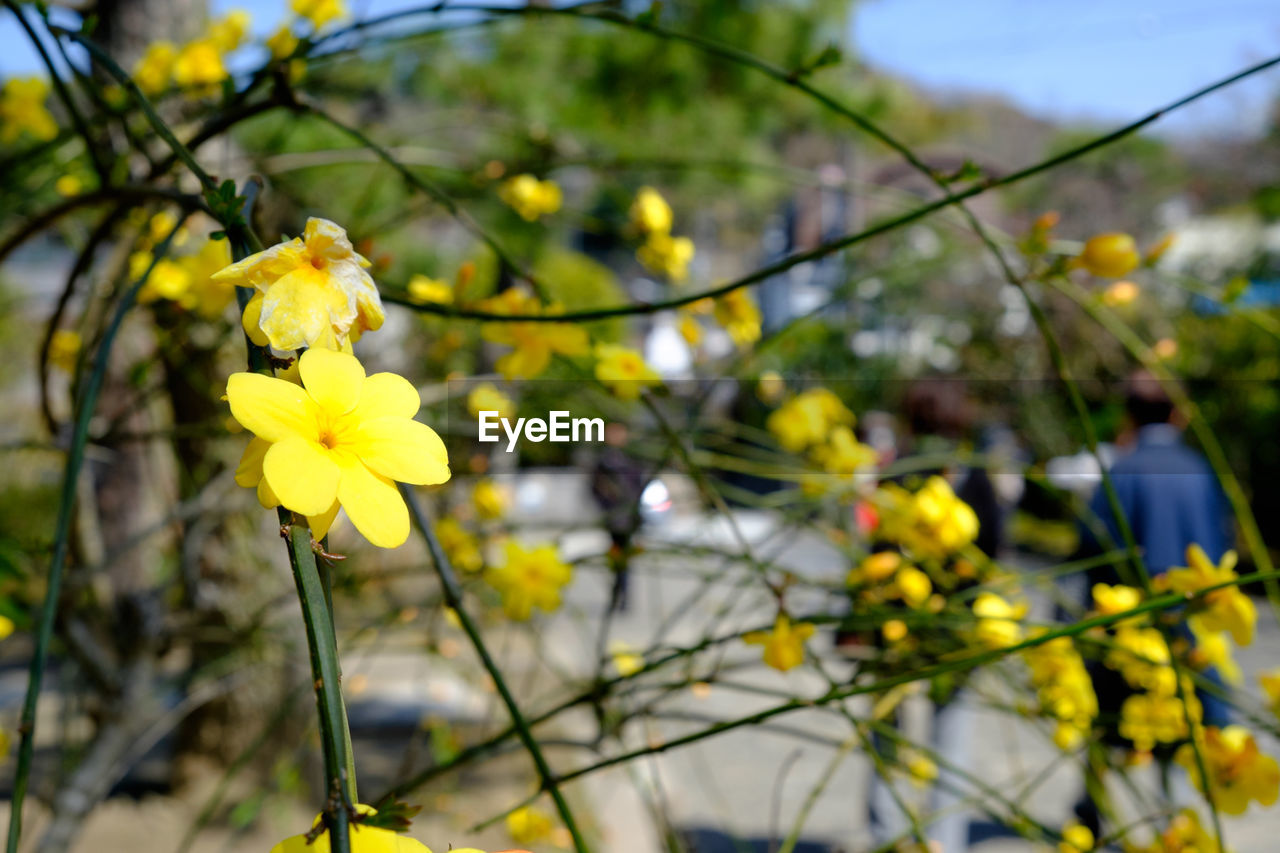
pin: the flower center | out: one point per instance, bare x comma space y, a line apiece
319, 262
329, 439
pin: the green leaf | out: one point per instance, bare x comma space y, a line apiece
391, 814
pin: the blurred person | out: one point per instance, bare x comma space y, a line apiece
1170, 499
617, 483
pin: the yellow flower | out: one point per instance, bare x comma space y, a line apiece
807, 419
527, 825
282, 43
22, 110
313, 291
1076, 838
1147, 719
912, 586
1110, 600
530, 197
920, 768
529, 578
487, 398
1112, 255
198, 65
875, 568
893, 630
6, 628
228, 32
1237, 771
459, 546
489, 499
424, 289
1225, 609
1119, 294
844, 455
624, 371
667, 255
784, 645
68, 185
206, 294
1064, 690
650, 213
771, 386
997, 621
738, 313
64, 349
154, 69
364, 839
341, 438
319, 12
533, 342
1270, 683
931, 522
1141, 655
626, 660
1165, 348
690, 328
1212, 648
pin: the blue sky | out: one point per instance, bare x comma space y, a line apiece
1105, 62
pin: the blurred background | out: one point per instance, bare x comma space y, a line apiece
177, 578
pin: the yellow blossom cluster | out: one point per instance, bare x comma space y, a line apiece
22, 110
1064, 690
931, 522
738, 313
530, 197
1225, 608
1237, 770
187, 280
807, 419
661, 253
198, 66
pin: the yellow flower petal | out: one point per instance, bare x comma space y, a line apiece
271, 408
333, 379
249, 471
302, 475
295, 310
374, 505
252, 319
320, 524
402, 449
385, 394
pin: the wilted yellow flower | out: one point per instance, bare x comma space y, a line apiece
808, 419
154, 70
229, 32
624, 371
22, 110
650, 213
527, 825
784, 645
341, 438
530, 197
319, 12
1225, 609
530, 577
1111, 255
1238, 772
738, 313
487, 398
997, 620
667, 255
198, 65
282, 43
425, 289
313, 291
64, 349
364, 839
1120, 293
489, 499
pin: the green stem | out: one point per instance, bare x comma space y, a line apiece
453, 597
